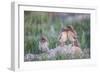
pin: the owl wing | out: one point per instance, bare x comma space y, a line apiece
71, 36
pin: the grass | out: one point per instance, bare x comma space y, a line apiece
50, 24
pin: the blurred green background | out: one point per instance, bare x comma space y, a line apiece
50, 24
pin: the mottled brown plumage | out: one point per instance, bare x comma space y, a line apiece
67, 33
72, 35
76, 43
43, 44
43, 39
63, 36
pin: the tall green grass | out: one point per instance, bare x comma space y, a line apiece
37, 23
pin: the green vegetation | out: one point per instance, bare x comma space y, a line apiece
50, 24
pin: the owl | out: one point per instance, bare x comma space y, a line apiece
43, 44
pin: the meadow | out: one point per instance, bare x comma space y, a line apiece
50, 24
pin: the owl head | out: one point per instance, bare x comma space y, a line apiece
43, 38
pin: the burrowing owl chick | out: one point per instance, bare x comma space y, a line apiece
43, 44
